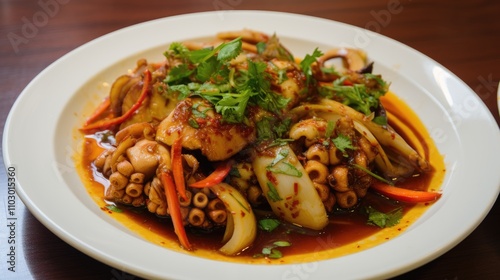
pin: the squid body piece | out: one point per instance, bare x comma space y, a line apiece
241, 227
288, 188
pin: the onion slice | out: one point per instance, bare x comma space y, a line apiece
288, 188
241, 220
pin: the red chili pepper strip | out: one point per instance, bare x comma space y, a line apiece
405, 195
99, 111
175, 209
104, 124
177, 167
216, 177
347, 83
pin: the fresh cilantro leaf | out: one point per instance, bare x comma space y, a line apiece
264, 129
198, 56
261, 46
383, 85
285, 168
178, 73
205, 70
235, 172
384, 220
282, 154
282, 243
273, 193
258, 82
271, 251
306, 63
268, 224
282, 127
282, 76
182, 89
226, 52
114, 208
272, 128
178, 50
232, 106
380, 120
330, 126
330, 70
193, 123
229, 50
343, 143
274, 49
356, 96
266, 250
275, 254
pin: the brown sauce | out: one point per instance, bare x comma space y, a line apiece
345, 227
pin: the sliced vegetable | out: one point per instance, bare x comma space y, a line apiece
405, 195
177, 167
215, 177
243, 224
269, 224
105, 124
382, 219
175, 209
98, 111
292, 198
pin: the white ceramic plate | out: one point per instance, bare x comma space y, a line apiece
38, 142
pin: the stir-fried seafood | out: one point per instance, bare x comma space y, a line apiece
221, 129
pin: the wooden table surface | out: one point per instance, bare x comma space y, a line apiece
464, 36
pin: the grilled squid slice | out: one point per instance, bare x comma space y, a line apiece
288, 188
195, 121
353, 59
241, 227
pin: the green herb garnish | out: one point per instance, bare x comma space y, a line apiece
384, 220
114, 208
343, 143
273, 193
306, 63
268, 224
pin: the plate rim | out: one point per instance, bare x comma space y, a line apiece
37, 212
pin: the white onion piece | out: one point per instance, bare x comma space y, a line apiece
241, 219
298, 201
386, 136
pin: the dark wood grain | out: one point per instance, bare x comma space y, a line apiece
464, 36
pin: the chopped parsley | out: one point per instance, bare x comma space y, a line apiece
282, 154
357, 96
306, 63
285, 168
272, 129
384, 220
269, 224
207, 73
114, 208
273, 192
343, 143
271, 251
380, 120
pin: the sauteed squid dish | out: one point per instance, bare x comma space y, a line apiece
236, 137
